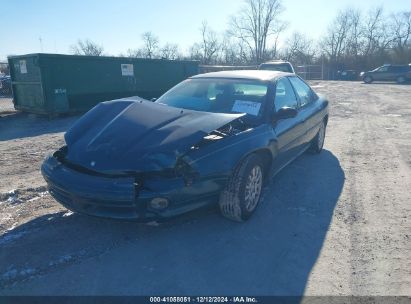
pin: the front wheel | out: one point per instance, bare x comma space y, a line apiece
401, 79
317, 143
242, 194
367, 79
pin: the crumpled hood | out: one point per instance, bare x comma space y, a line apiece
136, 135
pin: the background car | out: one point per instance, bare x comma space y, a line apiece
347, 75
277, 65
214, 138
388, 72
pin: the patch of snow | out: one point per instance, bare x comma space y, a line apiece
393, 115
68, 213
12, 199
41, 194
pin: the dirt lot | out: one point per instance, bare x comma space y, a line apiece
338, 223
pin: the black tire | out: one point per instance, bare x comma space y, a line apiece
401, 79
317, 142
368, 79
233, 200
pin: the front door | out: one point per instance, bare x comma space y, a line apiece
290, 131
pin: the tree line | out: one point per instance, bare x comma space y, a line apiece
355, 39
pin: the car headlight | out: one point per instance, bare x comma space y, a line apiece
362, 74
159, 203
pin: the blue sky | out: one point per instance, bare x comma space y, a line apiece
118, 25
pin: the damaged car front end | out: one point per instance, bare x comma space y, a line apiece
118, 163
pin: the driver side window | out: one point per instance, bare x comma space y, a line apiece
284, 95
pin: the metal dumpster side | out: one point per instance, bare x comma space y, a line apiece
54, 84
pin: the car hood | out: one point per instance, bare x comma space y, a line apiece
136, 135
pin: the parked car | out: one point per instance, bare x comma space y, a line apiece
214, 138
277, 65
5, 86
347, 75
388, 72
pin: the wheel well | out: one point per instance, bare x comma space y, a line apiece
267, 160
265, 156
326, 120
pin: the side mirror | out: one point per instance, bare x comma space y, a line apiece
285, 113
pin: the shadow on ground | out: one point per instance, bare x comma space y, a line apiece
202, 253
21, 125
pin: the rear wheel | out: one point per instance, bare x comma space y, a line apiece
242, 194
317, 143
401, 79
367, 79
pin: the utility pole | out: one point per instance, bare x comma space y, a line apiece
41, 44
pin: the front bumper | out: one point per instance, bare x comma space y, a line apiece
126, 197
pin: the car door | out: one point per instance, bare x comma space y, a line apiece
310, 109
289, 132
381, 73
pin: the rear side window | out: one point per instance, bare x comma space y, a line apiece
284, 95
304, 92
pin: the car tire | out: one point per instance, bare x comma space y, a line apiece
317, 142
243, 191
367, 79
401, 79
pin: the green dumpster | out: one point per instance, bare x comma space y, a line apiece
54, 84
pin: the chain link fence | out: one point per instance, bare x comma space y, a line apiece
6, 93
5, 86
5, 80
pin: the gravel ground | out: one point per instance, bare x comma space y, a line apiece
6, 105
338, 223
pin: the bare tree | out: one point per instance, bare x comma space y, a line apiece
195, 52
207, 50
336, 39
401, 34
373, 31
151, 45
354, 39
299, 49
87, 47
210, 44
233, 51
256, 23
401, 28
170, 51
135, 53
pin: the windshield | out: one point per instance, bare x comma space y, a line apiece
219, 96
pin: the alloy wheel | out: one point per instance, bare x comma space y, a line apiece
253, 188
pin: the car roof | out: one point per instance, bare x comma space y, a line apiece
245, 74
